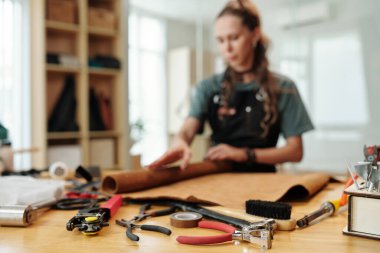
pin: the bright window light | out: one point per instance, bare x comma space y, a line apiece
14, 76
147, 85
339, 87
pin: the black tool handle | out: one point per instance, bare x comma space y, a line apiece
155, 228
166, 211
216, 216
131, 235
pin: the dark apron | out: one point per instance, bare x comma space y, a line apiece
243, 128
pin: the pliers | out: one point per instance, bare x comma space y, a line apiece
130, 224
261, 237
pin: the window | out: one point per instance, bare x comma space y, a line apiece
147, 85
14, 76
340, 93
294, 63
329, 71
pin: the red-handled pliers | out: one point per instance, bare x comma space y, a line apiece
261, 237
199, 240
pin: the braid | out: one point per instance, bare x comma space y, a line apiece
269, 88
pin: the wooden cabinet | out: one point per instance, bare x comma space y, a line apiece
78, 86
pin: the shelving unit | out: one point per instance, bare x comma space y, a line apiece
72, 36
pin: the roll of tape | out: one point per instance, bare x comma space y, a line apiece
185, 219
60, 170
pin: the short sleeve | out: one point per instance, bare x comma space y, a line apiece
198, 107
202, 94
294, 117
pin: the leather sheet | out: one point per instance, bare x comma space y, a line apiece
233, 189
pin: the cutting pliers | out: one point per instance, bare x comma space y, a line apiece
259, 236
143, 214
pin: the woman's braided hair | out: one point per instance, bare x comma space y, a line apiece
247, 11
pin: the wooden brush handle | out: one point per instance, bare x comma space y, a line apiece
283, 225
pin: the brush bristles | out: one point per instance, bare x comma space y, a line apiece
268, 209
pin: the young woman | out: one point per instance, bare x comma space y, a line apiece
247, 106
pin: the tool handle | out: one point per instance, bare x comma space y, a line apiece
166, 211
113, 205
215, 215
155, 228
199, 240
325, 210
131, 235
217, 225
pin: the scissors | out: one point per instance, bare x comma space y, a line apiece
80, 200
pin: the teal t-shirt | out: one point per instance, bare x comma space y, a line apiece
294, 119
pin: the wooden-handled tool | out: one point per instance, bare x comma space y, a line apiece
284, 225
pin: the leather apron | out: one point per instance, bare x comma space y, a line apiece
242, 129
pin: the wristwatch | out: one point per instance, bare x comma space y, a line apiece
251, 155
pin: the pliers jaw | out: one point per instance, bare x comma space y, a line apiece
260, 233
259, 237
89, 221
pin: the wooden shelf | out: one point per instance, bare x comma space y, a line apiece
62, 69
73, 40
103, 71
104, 134
63, 135
103, 32
61, 26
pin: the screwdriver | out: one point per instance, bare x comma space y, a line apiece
327, 209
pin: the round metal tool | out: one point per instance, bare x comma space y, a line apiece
16, 215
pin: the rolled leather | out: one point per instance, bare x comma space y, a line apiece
137, 180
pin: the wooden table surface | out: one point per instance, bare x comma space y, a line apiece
48, 234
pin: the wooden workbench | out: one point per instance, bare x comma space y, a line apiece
48, 234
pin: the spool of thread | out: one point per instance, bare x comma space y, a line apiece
185, 219
59, 170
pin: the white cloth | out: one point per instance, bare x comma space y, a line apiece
22, 190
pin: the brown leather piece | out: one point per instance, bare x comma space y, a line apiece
233, 189
144, 179
214, 183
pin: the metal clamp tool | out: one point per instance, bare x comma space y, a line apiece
260, 235
92, 220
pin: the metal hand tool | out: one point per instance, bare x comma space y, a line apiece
259, 236
268, 225
23, 215
143, 214
92, 220
328, 208
80, 200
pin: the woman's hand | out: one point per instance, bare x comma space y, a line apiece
180, 148
223, 152
180, 151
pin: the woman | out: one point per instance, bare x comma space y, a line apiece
247, 106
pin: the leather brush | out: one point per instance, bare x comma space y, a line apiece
281, 212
